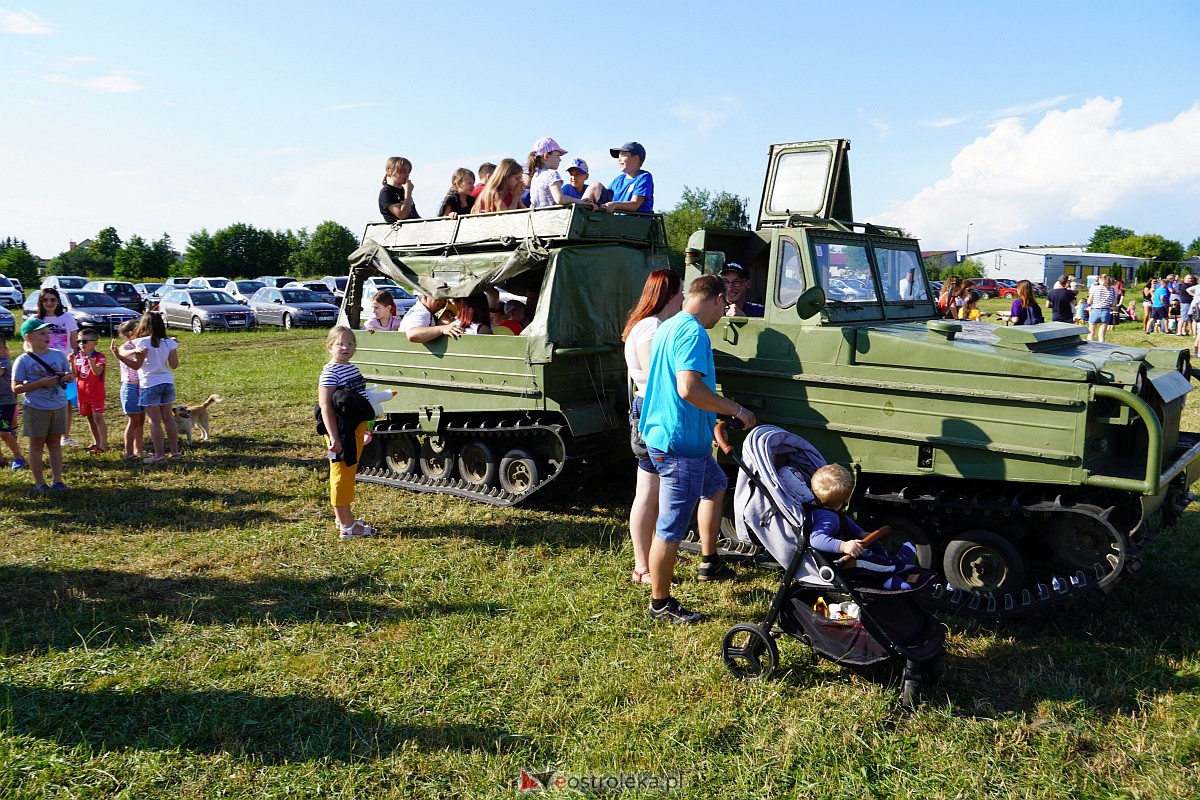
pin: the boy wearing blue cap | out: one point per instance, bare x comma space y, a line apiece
41, 375
633, 189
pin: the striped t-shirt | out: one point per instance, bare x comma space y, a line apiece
346, 376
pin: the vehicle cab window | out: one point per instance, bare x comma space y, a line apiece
790, 281
845, 272
901, 273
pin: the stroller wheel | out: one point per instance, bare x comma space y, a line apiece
749, 652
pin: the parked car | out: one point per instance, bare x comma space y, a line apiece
10, 295
275, 281
94, 310
989, 287
242, 291
376, 283
208, 283
292, 308
203, 310
316, 287
123, 292
144, 289
337, 285
151, 301
8, 323
63, 282
843, 291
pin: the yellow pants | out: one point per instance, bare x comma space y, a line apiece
341, 477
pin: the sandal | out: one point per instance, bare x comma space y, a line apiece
96, 449
154, 460
356, 530
638, 576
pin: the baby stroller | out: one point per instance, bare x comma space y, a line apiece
774, 514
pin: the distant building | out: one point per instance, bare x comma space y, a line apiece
1045, 264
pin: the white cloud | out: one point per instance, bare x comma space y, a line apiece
114, 83
711, 113
291, 150
884, 129
80, 59
1073, 165
947, 122
347, 107
1032, 108
24, 23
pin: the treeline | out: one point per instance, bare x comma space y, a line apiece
17, 262
237, 251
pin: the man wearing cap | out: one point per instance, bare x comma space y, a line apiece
420, 324
577, 175
41, 375
633, 189
1061, 301
736, 280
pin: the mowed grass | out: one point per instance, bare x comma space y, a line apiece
198, 631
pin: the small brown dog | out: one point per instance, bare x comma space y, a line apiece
188, 417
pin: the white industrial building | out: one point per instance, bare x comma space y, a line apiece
1046, 264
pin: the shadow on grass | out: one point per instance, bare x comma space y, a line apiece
101, 510
55, 610
273, 730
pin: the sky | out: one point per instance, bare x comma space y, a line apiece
1008, 123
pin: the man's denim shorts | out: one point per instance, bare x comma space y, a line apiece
131, 398
161, 395
682, 482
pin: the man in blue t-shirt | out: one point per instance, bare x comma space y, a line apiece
632, 190
678, 414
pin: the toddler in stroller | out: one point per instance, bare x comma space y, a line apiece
782, 496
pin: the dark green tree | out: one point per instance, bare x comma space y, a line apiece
79, 261
130, 262
163, 258
17, 262
702, 208
1151, 246
1193, 249
325, 251
106, 244
200, 258
1103, 237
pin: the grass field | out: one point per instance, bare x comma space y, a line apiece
198, 631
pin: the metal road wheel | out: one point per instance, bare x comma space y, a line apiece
749, 652
287, 321
197, 325
437, 459
518, 472
985, 562
984, 296
401, 454
477, 465
1083, 542
905, 530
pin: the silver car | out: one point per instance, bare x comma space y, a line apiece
292, 308
242, 291
204, 310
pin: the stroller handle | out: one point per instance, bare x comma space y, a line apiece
722, 437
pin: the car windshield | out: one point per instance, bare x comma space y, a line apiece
89, 300
212, 299
120, 288
72, 283
248, 287
150, 287
6, 283
340, 283
300, 296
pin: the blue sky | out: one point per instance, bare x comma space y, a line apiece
1035, 121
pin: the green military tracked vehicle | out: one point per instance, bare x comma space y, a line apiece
1029, 466
496, 418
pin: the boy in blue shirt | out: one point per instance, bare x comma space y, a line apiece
632, 190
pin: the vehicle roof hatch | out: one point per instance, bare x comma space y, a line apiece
807, 178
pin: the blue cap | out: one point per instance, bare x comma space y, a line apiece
629, 147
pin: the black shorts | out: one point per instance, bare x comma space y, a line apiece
1158, 312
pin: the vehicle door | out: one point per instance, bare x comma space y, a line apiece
273, 308
173, 309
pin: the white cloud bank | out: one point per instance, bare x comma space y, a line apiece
114, 83
1074, 164
24, 23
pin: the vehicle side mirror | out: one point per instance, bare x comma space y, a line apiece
186, 304
810, 302
277, 301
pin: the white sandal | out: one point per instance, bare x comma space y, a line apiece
358, 529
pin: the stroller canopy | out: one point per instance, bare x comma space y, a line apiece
778, 519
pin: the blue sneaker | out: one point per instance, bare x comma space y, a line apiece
41, 488
59, 486
18, 463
